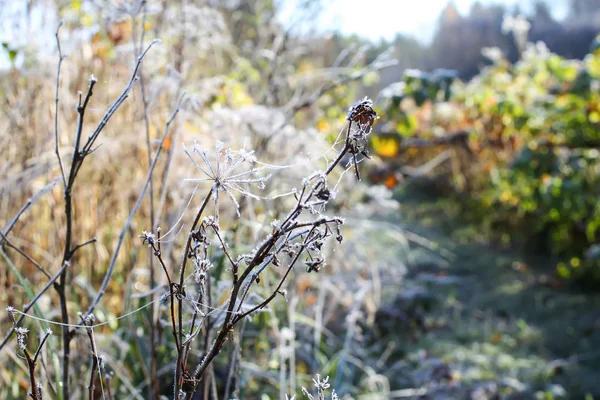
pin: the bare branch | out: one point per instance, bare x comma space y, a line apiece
26, 256
27, 204
56, 99
133, 212
32, 302
77, 247
86, 321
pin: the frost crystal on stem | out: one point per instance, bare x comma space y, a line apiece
226, 173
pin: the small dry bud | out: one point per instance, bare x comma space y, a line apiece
363, 114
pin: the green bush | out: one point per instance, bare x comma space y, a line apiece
531, 169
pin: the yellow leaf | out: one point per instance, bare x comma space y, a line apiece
323, 126
386, 147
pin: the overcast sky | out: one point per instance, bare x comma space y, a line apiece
375, 19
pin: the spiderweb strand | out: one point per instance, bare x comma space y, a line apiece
85, 326
194, 303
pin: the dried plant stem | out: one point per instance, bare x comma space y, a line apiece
181, 355
95, 360
26, 256
156, 250
78, 158
32, 302
36, 392
133, 212
234, 365
262, 257
137, 48
31, 366
154, 322
24, 208
80, 153
108, 390
56, 100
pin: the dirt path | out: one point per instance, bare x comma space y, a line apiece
476, 322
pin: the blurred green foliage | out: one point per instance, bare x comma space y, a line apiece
531, 172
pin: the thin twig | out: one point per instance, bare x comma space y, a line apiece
153, 389
27, 204
180, 354
35, 394
79, 156
158, 254
133, 212
78, 159
77, 247
39, 349
95, 359
31, 303
56, 99
26, 256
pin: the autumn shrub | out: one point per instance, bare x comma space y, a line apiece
523, 142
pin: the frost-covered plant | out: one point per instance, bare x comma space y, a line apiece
321, 385
293, 211
21, 333
225, 175
298, 238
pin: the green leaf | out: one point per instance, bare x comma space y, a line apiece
12, 55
